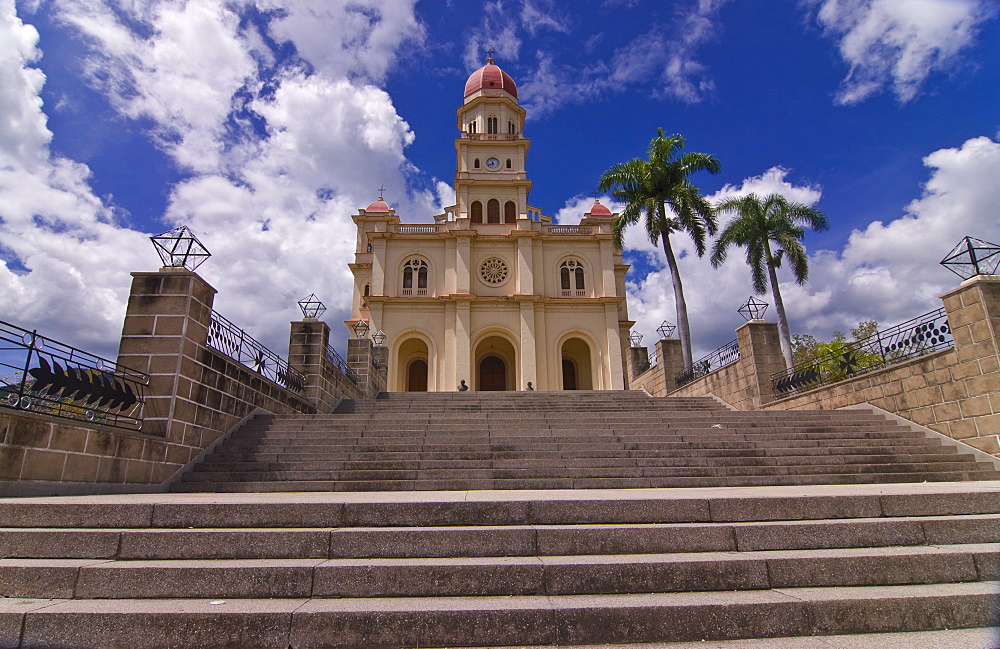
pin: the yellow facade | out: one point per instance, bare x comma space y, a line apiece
492, 293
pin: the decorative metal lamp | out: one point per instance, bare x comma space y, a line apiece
361, 329
378, 337
973, 257
666, 330
311, 306
636, 338
179, 248
753, 309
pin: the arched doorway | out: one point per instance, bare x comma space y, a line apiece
576, 365
569, 374
412, 367
495, 364
416, 376
492, 374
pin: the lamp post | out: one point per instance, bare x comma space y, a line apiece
636, 338
361, 329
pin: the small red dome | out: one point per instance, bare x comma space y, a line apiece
377, 206
490, 77
600, 210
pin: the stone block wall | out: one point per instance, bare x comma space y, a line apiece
42, 455
955, 391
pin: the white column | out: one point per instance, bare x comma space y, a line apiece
463, 353
528, 357
613, 358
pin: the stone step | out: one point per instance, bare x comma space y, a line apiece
372, 623
572, 472
272, 486
213, 464
202, 541
477, 576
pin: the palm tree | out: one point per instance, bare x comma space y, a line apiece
659, 190
763, 225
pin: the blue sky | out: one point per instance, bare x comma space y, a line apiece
264, 125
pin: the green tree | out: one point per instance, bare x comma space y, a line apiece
771, 229
658, 191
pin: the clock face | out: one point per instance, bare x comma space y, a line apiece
492, 164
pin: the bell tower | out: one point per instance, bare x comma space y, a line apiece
491, 184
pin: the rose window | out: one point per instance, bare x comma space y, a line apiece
494, 271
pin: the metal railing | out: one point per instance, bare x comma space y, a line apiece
42, 375
492, 137
232, 341
921, 335
415, 229
339, 362
570, 229
728, 353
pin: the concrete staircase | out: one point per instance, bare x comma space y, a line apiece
569, 440
461, 569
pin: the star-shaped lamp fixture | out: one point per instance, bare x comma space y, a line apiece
179, 248
973, 257
311, 306
666, 330
753, 309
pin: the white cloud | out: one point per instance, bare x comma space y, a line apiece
61, 250
346, 38
898, 43
664, 57
183, 76
771, 181
890, 271
278, 168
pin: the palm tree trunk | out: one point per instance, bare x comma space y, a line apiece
683, 329
784, 337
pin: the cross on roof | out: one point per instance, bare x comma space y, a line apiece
381, 191
489, 54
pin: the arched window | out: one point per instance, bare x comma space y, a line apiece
477, 212
508, 163
493, 211
509, 212
571, 279
472, 127
492, 125
415, 272
475, 163
511, 128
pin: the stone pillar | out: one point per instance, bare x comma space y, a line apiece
307, 344
974, 318
671, 361
166, 323
638, 361
760, 354
370, 363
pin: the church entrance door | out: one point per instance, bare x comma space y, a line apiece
569, 374
492, 374
416, 376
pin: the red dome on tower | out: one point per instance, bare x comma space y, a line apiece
600, 210
377, 206
490, 77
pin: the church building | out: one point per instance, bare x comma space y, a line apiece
493, 295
